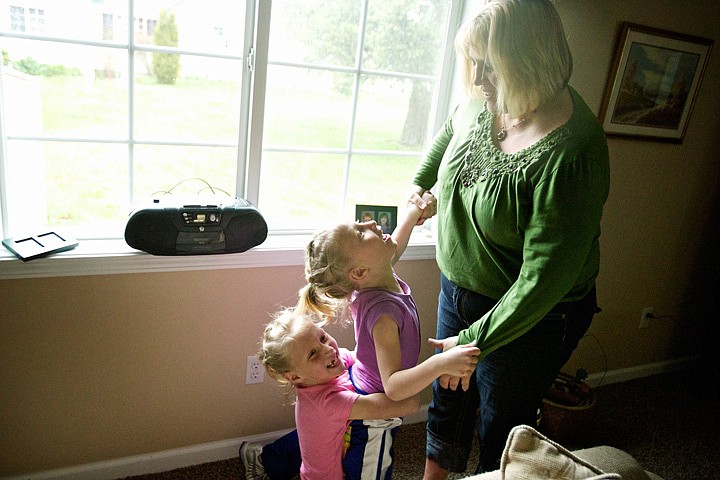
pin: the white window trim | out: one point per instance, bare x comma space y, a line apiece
106, 257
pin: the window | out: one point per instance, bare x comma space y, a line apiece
304, 107
107, 26
151, 27
17, 18
348, 100
37, 20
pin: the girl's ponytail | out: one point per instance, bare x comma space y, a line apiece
311, 301
329, 286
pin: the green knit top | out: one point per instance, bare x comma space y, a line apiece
521, 228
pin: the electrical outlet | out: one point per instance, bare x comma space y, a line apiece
645, 317
255, 373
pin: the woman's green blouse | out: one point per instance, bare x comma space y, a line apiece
522, 228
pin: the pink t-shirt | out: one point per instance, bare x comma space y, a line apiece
367, 306
322, 415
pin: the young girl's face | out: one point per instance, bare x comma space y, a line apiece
314, 357
367, 245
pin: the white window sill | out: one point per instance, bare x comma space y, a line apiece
104, 257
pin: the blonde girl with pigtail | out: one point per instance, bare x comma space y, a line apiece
350, 273
301, 356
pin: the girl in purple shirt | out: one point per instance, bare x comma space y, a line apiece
351, 265
300, 354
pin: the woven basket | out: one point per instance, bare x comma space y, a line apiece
560, 422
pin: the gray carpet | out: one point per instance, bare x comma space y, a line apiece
667, 422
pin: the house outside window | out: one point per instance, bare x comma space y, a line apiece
17, 18
304, 107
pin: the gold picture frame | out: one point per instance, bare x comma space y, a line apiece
653, 83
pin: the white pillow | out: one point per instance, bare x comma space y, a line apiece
532, 456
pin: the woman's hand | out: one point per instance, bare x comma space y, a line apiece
425, 201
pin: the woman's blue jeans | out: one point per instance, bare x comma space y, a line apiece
509, 383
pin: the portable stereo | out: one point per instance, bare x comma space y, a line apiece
182, 226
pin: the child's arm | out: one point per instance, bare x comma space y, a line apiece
379, 405
404, 229
459, 361
405, 226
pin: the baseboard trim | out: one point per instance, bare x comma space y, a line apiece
152, 462
640, 371
222, 450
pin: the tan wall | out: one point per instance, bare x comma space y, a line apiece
101, 367
661, 218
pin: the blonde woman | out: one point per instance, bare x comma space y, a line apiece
521, 172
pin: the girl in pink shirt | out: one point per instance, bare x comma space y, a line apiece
300, 354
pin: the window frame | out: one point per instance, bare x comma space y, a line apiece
109, 256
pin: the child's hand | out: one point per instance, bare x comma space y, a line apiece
448, 380
460, 361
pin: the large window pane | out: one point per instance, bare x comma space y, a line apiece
324, 91
379, 180
79, 96
405, 36
307, 108
155, 98
202, 105
82, 187
315, 31
183, 170
301, 191
198, 25
65, 90
393, 114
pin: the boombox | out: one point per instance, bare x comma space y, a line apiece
171, 226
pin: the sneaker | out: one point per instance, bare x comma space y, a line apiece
250, 457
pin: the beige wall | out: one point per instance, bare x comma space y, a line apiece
101, 367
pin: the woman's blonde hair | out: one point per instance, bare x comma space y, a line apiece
278, 340
327, 268
524, 42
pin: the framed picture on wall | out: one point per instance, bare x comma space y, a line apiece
385, 216
653, 83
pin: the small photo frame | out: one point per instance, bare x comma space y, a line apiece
653, 83
40, 244
384, 215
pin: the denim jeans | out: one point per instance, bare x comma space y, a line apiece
509, 383
281, 459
